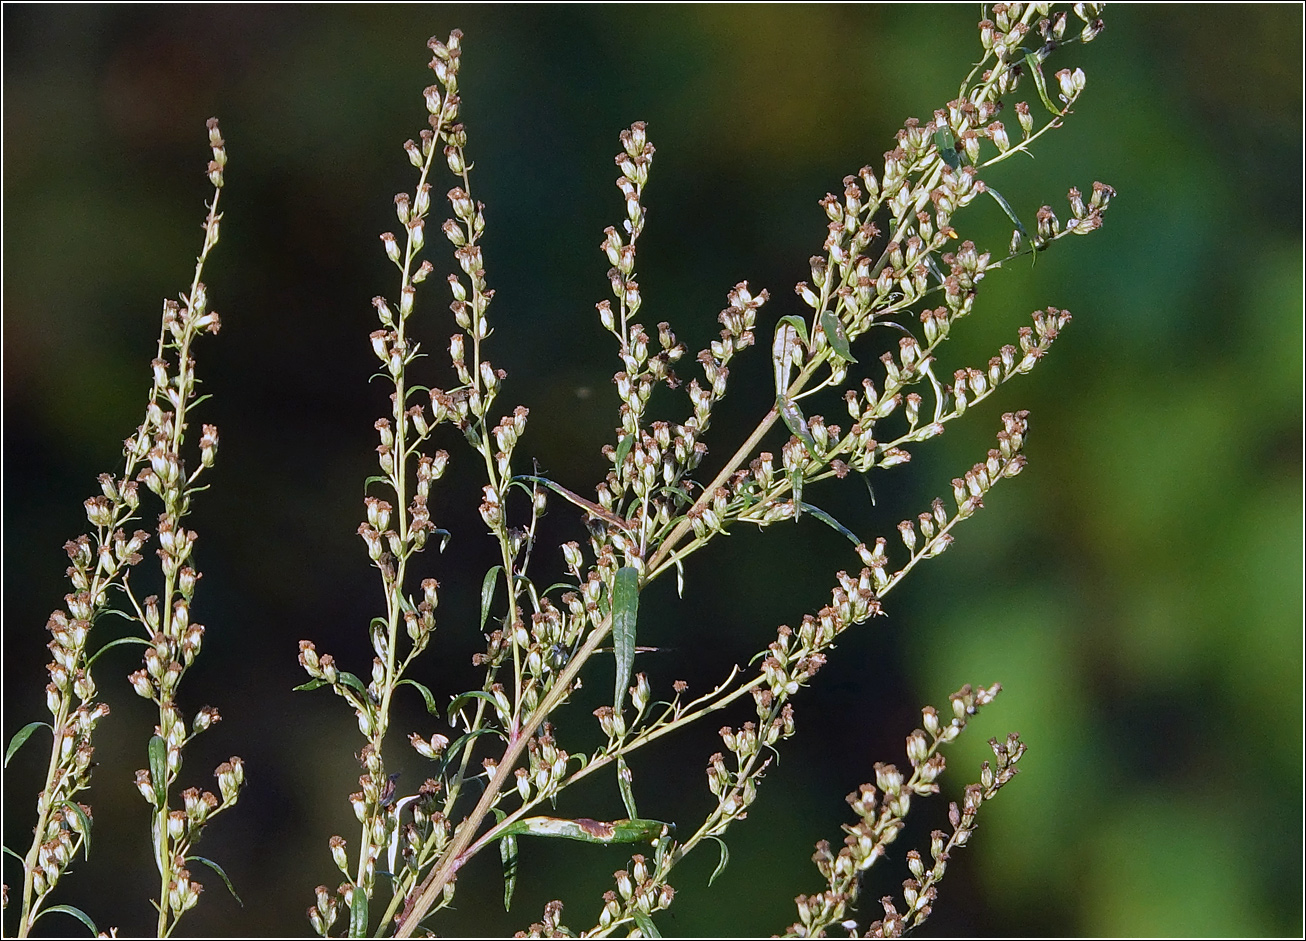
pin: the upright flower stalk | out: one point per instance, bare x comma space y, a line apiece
101, 564
892, 254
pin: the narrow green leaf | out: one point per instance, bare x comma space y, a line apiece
934, 269
625, 608
661, 848
115, 643
799, 324
487, 593
75, 809
353, 682
159, 768
556, 488
508, 853
794, 420
836, 336
471, 694
314, 683
21, 736
782, 353
796, 487
218, 869
869, 489
833, 523
586, 830
645, 922
725, 860
683, 494
431, 706
451, 753
77, 913
13, 854
947, 147
358, 912
623, 448
1036, 70
624, 779
1011, 213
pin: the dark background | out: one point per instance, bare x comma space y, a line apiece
1136, 591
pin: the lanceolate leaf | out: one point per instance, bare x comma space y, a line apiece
625, 607
114, 643
623, 448
358, 912
427, 695
645, 923
450, 756
487, 592
783, 349
797, 423
158, 751
725, 860
218, 869
1035, 69
624, 785
835, 335
464, 697
591, 831
20, 737
508, 854
353, 682
77, 913
947, 146
73, 808
833, 523
799, 324
1011, 213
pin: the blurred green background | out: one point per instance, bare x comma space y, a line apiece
1137, 591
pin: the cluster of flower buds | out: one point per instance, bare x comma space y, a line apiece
219, 160
738, 321
639, 372
881, 809
547, 767
392, 534
183, 894
638, 891
174, 640
65, 832
550, 926
920, 891
323, 914
794, 657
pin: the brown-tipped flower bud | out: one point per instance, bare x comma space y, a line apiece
144, 785
1072, 83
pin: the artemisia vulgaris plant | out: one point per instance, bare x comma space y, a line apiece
892, 256
102, 562
892, 261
